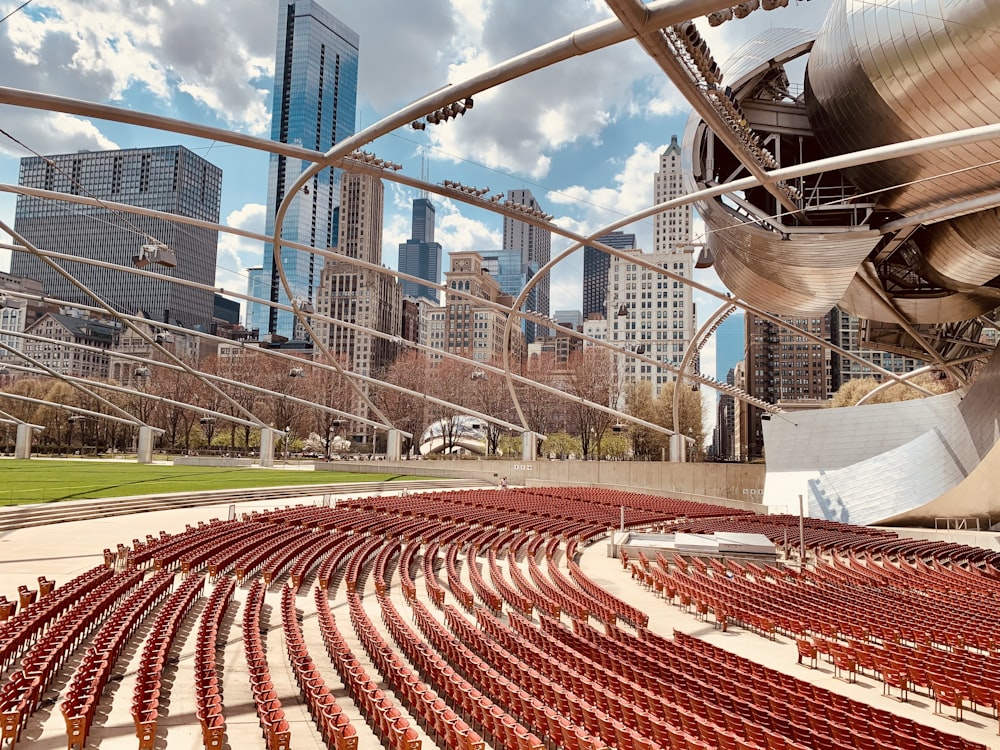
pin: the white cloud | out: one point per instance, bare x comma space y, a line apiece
459, 233
106, 50
631, 192
236, 253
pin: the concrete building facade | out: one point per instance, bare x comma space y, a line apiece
355, 295
649, 314
595, 271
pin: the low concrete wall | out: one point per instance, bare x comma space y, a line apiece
731, 485
211, 461
986, 539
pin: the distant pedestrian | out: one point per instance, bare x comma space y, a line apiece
503, 483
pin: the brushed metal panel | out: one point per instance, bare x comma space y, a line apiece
804, 274
953, 307
964, 251
905, 70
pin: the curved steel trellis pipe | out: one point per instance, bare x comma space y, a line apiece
970, 135
856, 158
886, 152
658, 15
151, 396
114, 313
11, 419
74, 409
291, 358
210, 376
60, 376
919, 371
694, 346
84, 200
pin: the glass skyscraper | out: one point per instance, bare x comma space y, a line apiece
420, 255
315, 97
165, 178
512, 274
595, 272
534, 244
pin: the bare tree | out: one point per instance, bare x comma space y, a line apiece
488, 394
330, 389
640, 403
413, 370
592, 374
538, 406
451, 381
242, 369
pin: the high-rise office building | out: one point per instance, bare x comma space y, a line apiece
672, 236
534, 243
470, 330
595, 272
513, 275
782, 365
165, 178
724, 435
649, 314
420, 255
315, 96
845, 332
257, 288
672, 228
730, 349
359, 296
17, 313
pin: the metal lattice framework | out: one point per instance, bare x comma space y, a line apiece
663, 29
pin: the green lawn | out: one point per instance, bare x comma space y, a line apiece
39, 481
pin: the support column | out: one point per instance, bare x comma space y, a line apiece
394, 446
266, 448
22, 446
678, 448
144, 449
529, 446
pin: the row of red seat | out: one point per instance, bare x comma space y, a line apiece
956, 677
335, 558
440, 714
514, 597
305, 562
276, 731
382, 713
632, 615
864, 726
263, 547
329, 717
547, 696
207, 687
186, 548
80, 700
368, 697
18, 632
146, 695
906, 621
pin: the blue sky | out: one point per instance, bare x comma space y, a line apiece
583, 136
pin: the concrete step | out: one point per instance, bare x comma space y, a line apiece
23, 516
